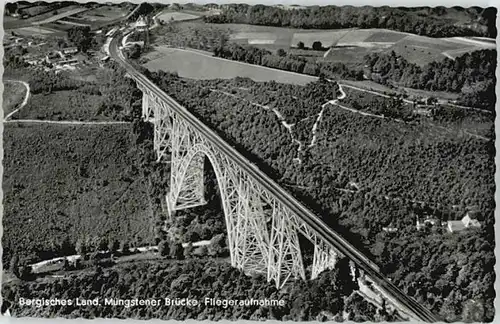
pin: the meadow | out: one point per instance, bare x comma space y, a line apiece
103, 13
349, 46
200, 65
13, 96
176, 16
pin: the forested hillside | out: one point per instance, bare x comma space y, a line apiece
433, 22
330, 296
363, 174
472, 75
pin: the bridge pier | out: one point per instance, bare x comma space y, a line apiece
285, 256
325, 258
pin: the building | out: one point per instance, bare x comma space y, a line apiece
390, 228
466, 222
70, 50
429, 221
422, 111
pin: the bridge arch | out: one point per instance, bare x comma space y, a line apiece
247, 232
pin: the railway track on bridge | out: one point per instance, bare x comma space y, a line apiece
403, 302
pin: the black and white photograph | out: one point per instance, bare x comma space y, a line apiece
215, 161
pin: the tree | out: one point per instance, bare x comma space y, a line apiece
113, 246
81, 37
188, 250
164, 248
26, 272
66, 247
317, 46
14, 266
177, 252
134, 52
300, 45
125, 247
217, 245
81, 247
281, 52
66, 265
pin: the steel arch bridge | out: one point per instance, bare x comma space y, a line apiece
263, 220
262, 232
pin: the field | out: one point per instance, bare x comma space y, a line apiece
198, 65
35, 31
13, 96
175, 16
59, 16
344, 37
103, 13
352, 56
74, 181
351, 45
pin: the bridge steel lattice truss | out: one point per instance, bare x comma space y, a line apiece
262, 233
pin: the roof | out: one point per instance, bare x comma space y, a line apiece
468, 221
455, 226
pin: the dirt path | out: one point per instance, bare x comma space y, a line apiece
276, 112
25, 101
143, 249
335, 102
320, 115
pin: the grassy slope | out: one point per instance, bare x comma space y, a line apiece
62, 105
13, 95
190, 64
78, 181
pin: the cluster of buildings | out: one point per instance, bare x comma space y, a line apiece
36, 54
452, 226
55, 58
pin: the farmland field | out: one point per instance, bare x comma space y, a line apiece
386, 36
348, 46
198, 65
61, 15
351, 45
34, 31
103, 13
176, 16
13, 95
79, 182
350, 55
327, 38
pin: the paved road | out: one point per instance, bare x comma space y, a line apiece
25, 101
401, 300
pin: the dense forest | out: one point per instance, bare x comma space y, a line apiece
431, 22
105, 189
472, 75
360, 181
331, 296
